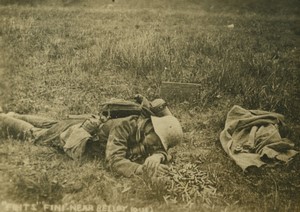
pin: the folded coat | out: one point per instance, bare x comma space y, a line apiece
252, 138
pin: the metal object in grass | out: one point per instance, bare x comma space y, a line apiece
186, 183
180, 91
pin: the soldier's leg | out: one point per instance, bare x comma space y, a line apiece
14, 128
37, 121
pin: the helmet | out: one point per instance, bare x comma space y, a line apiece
168, 130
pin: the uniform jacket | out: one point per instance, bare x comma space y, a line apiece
121, 135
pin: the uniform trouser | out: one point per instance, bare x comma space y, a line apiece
17, 126
27, 127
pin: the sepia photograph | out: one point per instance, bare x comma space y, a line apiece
149, 105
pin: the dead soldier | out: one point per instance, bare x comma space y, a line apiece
132, 144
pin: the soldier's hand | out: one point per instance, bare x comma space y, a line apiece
139, 170
153, 161
162, 169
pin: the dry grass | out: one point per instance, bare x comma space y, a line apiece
69, 57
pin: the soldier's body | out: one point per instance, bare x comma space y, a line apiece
129, 143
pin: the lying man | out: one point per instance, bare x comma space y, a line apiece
130, 143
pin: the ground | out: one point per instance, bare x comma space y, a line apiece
67, 57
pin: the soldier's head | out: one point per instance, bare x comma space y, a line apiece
161, 133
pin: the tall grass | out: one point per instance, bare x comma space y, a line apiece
63, 57
255, 61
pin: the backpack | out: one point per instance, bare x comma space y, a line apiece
120, 108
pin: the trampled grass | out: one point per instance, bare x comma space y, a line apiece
66, 57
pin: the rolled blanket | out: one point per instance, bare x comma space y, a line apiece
252, 138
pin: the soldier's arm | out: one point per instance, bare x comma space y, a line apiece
117, 146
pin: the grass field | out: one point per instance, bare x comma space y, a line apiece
66, 57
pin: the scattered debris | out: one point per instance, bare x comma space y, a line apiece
185, 183
189, 183
230, 26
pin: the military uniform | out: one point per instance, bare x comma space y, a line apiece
118, 137
122, 136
